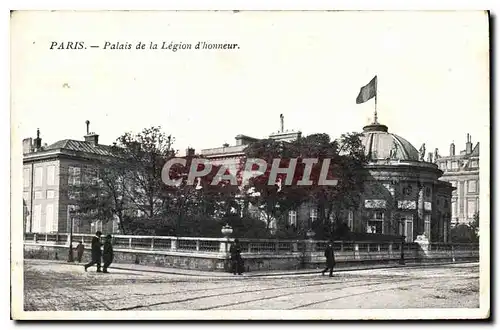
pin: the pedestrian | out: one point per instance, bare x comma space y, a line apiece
107, 253
96, 252
330, 259
79, 251
236, 260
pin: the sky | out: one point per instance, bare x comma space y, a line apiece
432, 69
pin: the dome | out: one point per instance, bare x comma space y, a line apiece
380, 144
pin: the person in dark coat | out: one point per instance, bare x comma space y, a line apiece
96, 252
330, 259
236, 260
107, 253
79, 251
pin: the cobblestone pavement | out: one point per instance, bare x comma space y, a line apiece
57, 286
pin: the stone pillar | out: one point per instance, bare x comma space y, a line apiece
423, 242
420, 212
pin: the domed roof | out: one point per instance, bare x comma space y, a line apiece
380, 144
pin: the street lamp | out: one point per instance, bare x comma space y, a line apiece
70, 252
227, 230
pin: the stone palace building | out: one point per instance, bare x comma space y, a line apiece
462, 171
403, 194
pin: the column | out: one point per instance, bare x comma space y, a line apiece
420, 207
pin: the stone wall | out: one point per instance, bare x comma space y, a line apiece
219, 261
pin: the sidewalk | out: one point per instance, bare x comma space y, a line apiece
217, 274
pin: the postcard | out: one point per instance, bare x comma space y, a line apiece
250, 165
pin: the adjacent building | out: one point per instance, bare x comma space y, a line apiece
462, 171
49, 171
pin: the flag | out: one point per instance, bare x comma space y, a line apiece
368, 91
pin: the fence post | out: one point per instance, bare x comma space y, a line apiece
197, 245
356, 250
173, 244
34, 238
130, 243
152, 243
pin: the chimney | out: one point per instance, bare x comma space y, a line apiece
91, 137
468, 144
38, 141
27, 146
190, 152
452, 149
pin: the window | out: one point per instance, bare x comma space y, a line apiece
314, 214
406, 227
375, 224
37, 219
292, 218
51, 172
407, 190
471, 208
427, 225
49, 218
427, 192
454, 209
51, 194
350, 219
38, 176
73, 175
38, 195
454, 165
472, 186
26, 177
95, 226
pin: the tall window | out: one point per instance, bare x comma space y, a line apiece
292, 218
26, 177
406, 227
49, 218
375, 223
472, 186
38, 176
471, 208
314, 214
37, 219
51, 173
350, 219
427, 225
73, 175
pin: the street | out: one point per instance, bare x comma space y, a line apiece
59, 286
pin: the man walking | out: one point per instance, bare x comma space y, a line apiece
107, 253
96, 252
330, 259
236, 260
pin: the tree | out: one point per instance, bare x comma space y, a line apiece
274, 202
126, 184
466, 233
